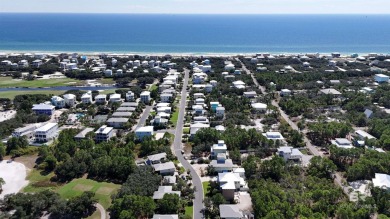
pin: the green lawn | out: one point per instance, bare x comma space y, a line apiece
153, 87
9, 82
205, 187
174, 117
189, 211
12, 94
39, 182
103, 190
186, 130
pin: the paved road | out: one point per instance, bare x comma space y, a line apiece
338, 179
103, 213
177, 146
144, 116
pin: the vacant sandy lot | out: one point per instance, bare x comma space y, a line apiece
14, 175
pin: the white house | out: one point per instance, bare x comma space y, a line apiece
381, 181
101, 98
285, 92
117, 122
199, 101
230, 212
70, 99
273, 135
213, 83
36, 63
261, 107
198, 95
342, 143
166, 98
58, 102
159, 120
162, 190
108, 73
46, 132
104, 133
145, 131
43, 109
167, 168
86, 98
230, 67
156, 158
230, 183
208, 88
220, 111
250, 94
115, 98
165, 216
130, 96
27, 131
362, 135
196, 126
381, 78
239, 84
290, 153
218, 148
145, 96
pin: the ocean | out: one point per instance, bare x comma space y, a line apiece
194, 34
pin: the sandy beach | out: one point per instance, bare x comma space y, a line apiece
14, 175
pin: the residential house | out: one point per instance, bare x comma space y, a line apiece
145, 96
250, 94
104, 133
285, 92
125, 109
208, 88
381, 78
230, 212
101, 98
196, 126
273, 136
362, 135
214, 105
117, 122
199, 101
197, 109
230, 183
130, 96
290, 153
259, 107
129, 104
331, 91
220, 111
342, 143
36, 63
145, 131
82, 135
124, 114
229, 67
115, 98
156, 158
198, 95
70, 100
167, 168
166, 98
201, 119
86, 98
165, 109
219, 148
162, 190
239, 84
382, 181
213, 83
58, 102
222, 164
43, 109
27, 131
165, 216
158, 120
46, 132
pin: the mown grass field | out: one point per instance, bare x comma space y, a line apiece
12, 94
189, 210
9, 82
39, 182
102, 190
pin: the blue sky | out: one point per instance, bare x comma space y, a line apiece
200, 6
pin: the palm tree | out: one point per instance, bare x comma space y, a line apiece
2, 182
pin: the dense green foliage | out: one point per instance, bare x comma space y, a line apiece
36, 205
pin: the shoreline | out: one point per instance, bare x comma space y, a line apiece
178, 54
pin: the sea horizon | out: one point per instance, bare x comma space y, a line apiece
194, 34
